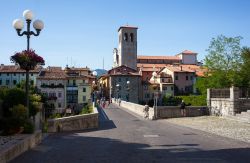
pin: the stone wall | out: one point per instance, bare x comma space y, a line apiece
229, 105
74, 123
18, 148
165, 111
136, 108
175, 112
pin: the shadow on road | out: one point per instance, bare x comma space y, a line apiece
79, 148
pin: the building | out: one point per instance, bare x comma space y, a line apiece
51, 82
78, 86
174, 75
11, 75
125, 83
126, 54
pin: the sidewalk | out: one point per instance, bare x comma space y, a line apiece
216, 125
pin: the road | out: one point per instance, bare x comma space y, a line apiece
125, 138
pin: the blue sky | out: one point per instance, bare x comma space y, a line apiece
83, 32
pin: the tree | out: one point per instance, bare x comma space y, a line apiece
223, 61
244, 74
12, 97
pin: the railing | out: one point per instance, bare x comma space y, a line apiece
220, 93
244, 92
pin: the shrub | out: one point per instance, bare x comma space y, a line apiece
199, 100
28, 127
12, 97
19, 111
171, 100
87, 109
11, 125
45, 127
57, 115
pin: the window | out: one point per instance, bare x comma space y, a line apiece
31, 74
0, 82
131, 37
172, 88
14, 74
68, 81
147, 95
84, 89
162, 80
191, 77
23, 74
59, 94
74, 82
176, 77
59, 105
83, 81
119, 79
125, 37
186, 77
83, 98
0, 74
8, 74
7, 82
14, 82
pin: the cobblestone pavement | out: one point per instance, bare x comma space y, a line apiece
216, 125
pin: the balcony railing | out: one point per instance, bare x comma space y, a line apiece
52, 86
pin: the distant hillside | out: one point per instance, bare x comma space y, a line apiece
101, 72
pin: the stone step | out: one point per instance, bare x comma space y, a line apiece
243, 118
238, 118
245, 113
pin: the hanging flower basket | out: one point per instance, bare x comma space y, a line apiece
27, 59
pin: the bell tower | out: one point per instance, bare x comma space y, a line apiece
127, 48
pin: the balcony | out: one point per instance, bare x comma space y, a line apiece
52, 86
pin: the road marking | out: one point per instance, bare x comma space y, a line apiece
150, 136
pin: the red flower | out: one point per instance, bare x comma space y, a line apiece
27, 59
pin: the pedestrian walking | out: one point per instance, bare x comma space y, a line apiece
183, 108
146, 111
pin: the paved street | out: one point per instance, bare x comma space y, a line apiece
123, 137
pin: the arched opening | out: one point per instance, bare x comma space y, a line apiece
131, 37
125, 37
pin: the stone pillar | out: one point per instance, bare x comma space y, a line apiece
209, 100
234, 96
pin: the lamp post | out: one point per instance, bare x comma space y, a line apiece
117, 89
154, 74
128, 88
94, 86
38, 26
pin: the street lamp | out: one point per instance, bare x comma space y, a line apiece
128, 82
154, 74
38, 26
118, 87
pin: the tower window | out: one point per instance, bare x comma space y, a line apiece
126, 37
131, 37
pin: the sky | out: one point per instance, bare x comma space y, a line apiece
84, 32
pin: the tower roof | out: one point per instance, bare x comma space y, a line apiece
127, 26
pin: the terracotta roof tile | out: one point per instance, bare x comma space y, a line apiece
16, 69
52, 73
187, 52
158, 57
